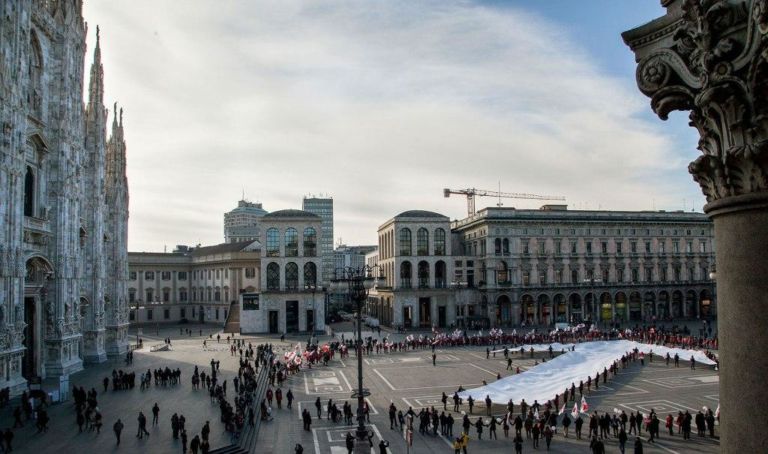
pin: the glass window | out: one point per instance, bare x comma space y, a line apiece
291, 276
588, 244
273, 276
150, 295
182, 295
505, 246
689, 247
183, 312
604, 247
132, 295
291, 242
166, 295
132, 275
182, 275
165, 275
310, 242
422, 242
149, 314
702, 246
633, 247
250, 273
439, 242
273, 243
497, 246
618, 247
405, 274
166, 314
648, 274
423, 272
574, 276
405, 242
310, 274
149, 275
218, 274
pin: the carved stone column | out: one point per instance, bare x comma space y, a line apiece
709, 57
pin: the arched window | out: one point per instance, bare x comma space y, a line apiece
439, 242
405, 242
422, 242
310, 274
29, 192
405, 275
35, 94
310, 242
291, 276
440, 274
423, 274
505, 246
502, 273
291, 242
497, 246
273, 243
273, 276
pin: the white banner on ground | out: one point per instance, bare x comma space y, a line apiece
547, 379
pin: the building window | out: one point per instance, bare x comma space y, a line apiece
29, 192
678, 274
310, 274
675, 246
405, 242
619, 275
497, 246
182, 275
165, 275
149, 275
423, 274
633, 247
210, 274
132, 275
588, 244
703, 247
574, 276
226, 294
132, 315
661, 246
209, 291
558, 247
542, 277
273, 276
217, 295
405, 274
183, 312
691, 275
150, 295
648, 247
618, 247
166, 314
149, 314
526, 277
573, 247
273, 243
558, 276
310, 242
132, 295
422, 242
663, 274
291, 276
648, 274
604, 247
440, 274
526, 246
166, 295
605, 275
440, 242
250, 273
635, 275
291, 242
217, 313
183, 294
218, 274
505, 246
542, 246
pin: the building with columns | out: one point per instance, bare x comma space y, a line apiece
63, 266
194, 284
506, 267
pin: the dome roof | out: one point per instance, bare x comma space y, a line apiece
291, 214
419, 214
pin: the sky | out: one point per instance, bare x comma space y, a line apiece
381, 105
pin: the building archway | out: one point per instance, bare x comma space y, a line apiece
574, 302
677, 304
606, 307
590, 306
528, 307
649, 304
545, 308
504, 311
706, 305
37, 310
621, 307
662, 310
561, 308
635, 306
691, 302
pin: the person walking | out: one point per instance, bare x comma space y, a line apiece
548, 436
155, 414
622, 440
639, 444
183, 441
118, 428
142, 425
194, 446
206, 430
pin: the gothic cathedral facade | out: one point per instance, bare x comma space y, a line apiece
63, 199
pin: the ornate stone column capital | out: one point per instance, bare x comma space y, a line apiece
709, 57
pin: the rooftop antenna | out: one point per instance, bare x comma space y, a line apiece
499, 204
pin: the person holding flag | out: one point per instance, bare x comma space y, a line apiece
566, 421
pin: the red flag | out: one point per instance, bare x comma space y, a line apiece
584, 405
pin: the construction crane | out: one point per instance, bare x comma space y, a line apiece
471, 193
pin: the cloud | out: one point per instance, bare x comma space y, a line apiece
380, 104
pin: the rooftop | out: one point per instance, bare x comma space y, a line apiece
291, 214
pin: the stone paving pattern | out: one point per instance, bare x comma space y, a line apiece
415, 381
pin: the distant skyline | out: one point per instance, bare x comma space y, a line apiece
380, 106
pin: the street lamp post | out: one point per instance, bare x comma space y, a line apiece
358, 282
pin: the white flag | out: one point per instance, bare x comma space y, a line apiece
584, 405
717, 412
562, 410
575, 412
